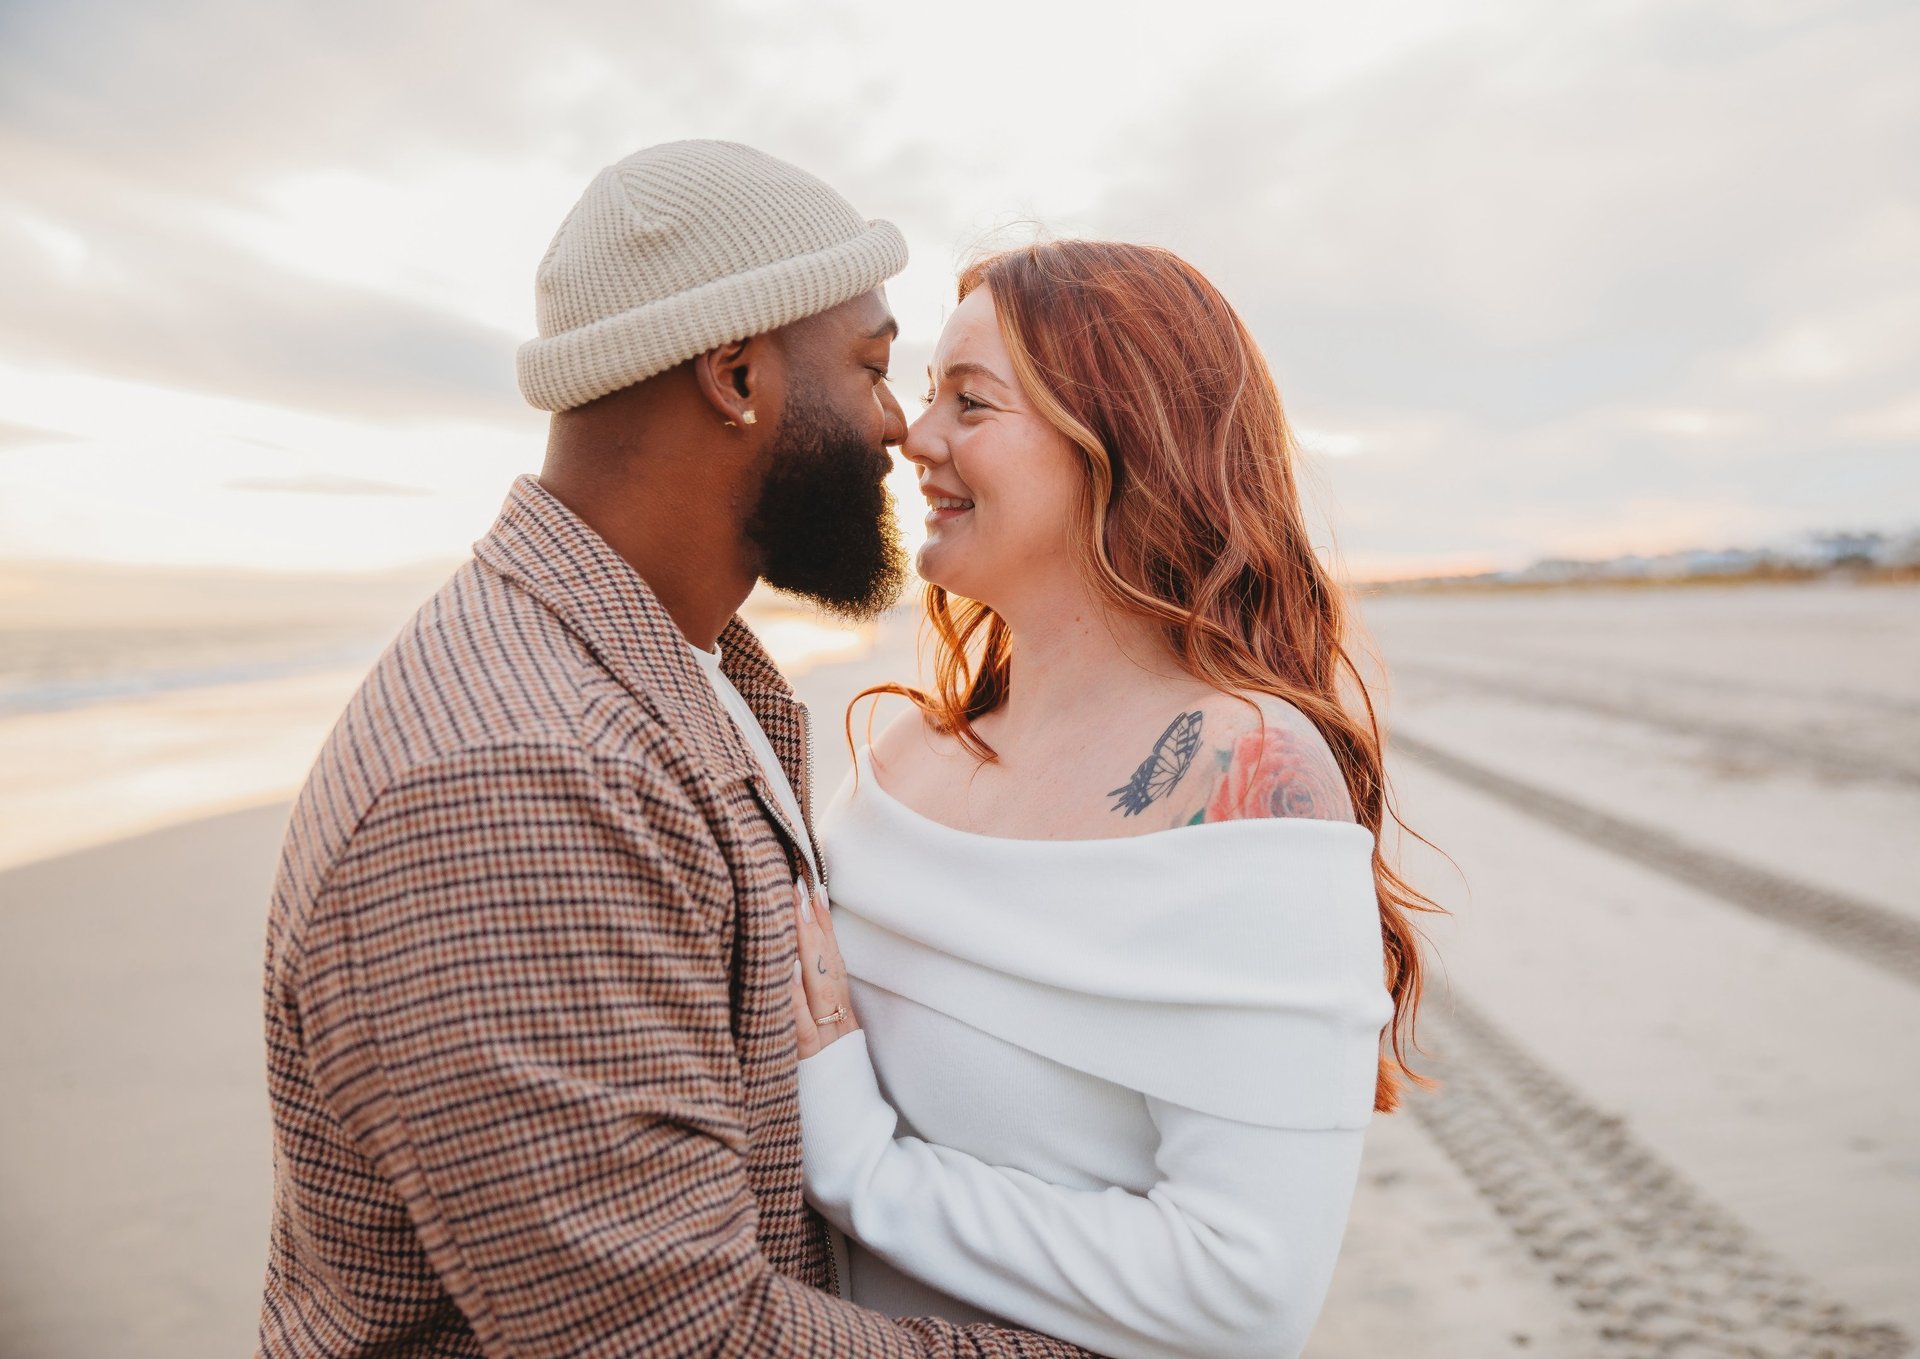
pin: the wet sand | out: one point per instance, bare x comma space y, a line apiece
1675, 1118
1680, 972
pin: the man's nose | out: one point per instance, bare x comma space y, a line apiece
896, 427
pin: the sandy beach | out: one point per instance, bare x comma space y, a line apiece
1669, 1004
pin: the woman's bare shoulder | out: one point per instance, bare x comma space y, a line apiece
1260, 756
903, 741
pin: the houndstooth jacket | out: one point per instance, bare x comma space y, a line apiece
530, 1053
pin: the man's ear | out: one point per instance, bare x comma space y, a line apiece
730, 378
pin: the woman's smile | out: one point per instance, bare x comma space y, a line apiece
941, 507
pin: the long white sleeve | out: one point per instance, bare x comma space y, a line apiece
1229, 1254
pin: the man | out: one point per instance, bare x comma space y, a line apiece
530, 1041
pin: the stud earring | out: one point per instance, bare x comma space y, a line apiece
746, 416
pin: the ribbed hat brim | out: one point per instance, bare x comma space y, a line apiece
559, 372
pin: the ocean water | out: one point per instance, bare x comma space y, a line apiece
125, 707
54, 672
56, 667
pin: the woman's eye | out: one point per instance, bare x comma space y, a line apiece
968, 402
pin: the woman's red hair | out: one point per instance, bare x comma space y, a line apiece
1190, 518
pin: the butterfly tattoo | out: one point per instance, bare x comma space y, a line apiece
1160, 771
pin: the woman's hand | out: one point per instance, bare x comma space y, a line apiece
822, 1004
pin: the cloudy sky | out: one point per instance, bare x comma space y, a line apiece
1536, 279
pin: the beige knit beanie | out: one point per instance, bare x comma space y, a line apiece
684, 247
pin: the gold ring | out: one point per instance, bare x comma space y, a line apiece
834, 1016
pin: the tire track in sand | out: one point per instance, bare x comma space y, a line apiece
1871, 933
1658, 1269
1822, 756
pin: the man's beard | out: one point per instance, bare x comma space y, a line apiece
824, 520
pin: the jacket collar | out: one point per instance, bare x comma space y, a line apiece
550, 552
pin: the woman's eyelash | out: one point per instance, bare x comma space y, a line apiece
967, 400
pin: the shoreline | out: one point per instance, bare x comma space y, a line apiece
89, 774
1840, 577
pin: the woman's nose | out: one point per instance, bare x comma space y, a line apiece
920, 446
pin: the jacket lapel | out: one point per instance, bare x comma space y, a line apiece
549, 551
783, 717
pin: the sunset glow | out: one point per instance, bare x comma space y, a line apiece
263, 302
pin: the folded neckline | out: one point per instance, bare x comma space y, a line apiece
863, 769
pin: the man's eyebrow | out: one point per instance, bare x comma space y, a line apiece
887, 330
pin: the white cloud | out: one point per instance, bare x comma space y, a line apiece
158, 296
1690, 423
1332, 443
1524, 271
1897, 421
151, 473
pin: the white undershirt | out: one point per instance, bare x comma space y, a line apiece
756, 737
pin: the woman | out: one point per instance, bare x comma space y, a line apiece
1115, 924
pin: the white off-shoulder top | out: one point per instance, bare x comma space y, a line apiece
1113, 1090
